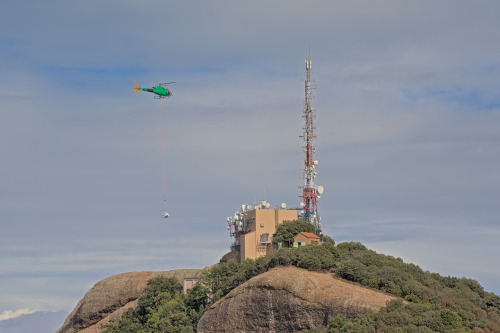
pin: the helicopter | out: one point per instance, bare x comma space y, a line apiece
160, 91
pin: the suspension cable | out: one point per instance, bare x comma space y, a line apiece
163, 158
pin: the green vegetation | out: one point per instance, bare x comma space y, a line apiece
432, 303
164, 308
289, 229
223, 278
313, 258
428, 302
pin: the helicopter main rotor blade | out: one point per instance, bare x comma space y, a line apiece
164, 84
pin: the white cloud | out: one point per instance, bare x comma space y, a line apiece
9, 314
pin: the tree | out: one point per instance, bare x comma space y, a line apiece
289, 229
327, 240
161, 308
197, 297
157, 290
129, 323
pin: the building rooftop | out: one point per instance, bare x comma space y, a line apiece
310, 235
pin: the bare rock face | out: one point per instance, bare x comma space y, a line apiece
235, 255
289, 299
108, 299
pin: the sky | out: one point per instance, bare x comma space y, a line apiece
407, 121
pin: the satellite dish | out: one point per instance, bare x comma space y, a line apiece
301, 204
316, 162
283, 205
320, 190
165, 215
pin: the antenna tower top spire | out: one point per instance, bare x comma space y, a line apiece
310, 192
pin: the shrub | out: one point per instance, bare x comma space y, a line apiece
284, 257
314, 258
351, 246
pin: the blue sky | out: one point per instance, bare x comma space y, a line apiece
408, 113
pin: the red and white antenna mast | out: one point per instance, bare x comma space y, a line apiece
310, 192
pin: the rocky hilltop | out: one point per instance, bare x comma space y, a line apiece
285, 299
108, 299
289, 299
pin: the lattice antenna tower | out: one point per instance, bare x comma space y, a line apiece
310, 192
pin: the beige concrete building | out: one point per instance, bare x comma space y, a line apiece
261, 224
189, 283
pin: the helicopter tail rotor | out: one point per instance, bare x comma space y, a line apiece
136, 87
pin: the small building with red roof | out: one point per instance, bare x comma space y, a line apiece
306, 238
